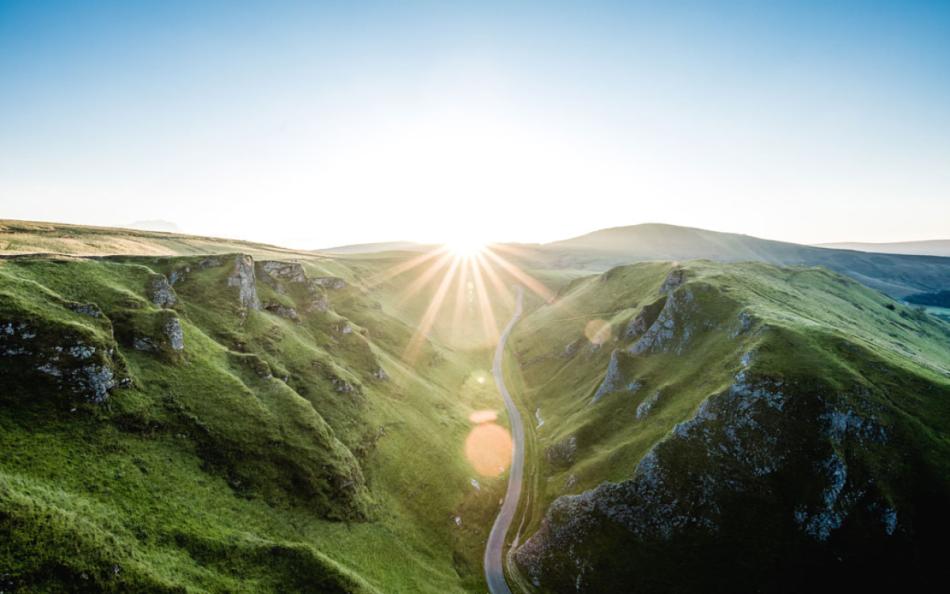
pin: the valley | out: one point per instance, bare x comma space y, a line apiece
186, 417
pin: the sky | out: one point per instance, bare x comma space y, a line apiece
319, 124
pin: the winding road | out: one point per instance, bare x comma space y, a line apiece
495, 548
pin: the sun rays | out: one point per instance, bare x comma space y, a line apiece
468, 281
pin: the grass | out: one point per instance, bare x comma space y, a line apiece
239, 464
809, 326
272, 454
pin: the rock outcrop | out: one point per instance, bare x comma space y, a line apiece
160, 291
561, 454
330, 282
614, 379
761, 445
244, 279
72, 362
283, 311
644, 408
285, 271
672, 319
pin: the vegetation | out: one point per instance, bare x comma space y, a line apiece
289, 446
183, 414
734, 387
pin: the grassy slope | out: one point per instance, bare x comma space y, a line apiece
819, 325
203, 474
30, 237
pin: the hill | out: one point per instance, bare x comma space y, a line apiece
733, 427
231, 423
895, 275
934, 247
29, 237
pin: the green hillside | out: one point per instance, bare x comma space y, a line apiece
223, 423
202, 415
30, 237
733, 427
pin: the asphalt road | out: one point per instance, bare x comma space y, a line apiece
495, 548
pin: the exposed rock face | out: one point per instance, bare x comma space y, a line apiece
613, 380
212, 262
561, 454
673, 280
760, 453
644, 319
286, 271
174, 334
329, 282
160, 291
176, 276
644, 408
318, 303
343, 386
149, 331
659, 337
283, 311
57, 355
244, 279
745, 323
87, 309
380, 374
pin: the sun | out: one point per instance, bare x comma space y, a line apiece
465, 248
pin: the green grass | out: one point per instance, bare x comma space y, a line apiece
808, 327
237, 464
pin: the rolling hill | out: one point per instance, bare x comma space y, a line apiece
934, 247
895, 275
188, 414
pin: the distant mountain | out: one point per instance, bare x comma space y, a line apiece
896, 275
155, 225
933, 247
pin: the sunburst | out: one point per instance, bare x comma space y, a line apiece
478, 276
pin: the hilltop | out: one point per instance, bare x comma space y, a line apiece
30, 237
896, 275
933, 247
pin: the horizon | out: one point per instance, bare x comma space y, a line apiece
477, 246
336, 125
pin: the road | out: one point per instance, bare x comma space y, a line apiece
495, 548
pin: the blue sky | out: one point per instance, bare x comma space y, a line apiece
316, 124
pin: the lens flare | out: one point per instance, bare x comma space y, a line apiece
488, 449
